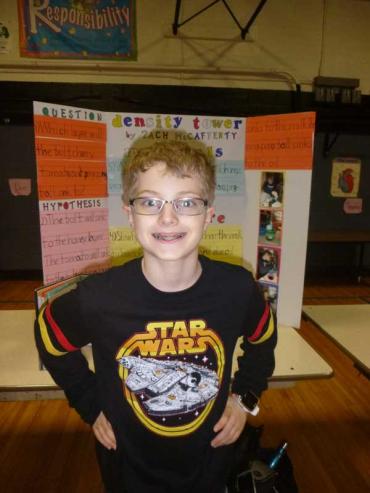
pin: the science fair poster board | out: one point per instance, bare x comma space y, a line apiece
263, 169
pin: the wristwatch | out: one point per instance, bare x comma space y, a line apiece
249, 402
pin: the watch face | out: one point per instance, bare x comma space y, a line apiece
250, 400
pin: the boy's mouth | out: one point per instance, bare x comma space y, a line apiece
168, 236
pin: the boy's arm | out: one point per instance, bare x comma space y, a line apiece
59, 333
256, 365
257, 362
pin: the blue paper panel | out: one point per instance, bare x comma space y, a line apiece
89, 29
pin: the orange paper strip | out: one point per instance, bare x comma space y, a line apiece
61, 128
50, 149
71, 179
280, 142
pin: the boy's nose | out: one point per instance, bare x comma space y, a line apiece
168, 215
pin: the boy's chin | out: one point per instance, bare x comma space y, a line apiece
171, 255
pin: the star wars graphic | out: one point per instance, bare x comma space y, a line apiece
170, 387
171, 374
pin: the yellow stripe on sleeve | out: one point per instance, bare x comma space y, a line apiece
45, 336
268, 333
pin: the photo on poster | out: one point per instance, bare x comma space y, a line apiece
270, 293
268, 263
270, 227
272, 189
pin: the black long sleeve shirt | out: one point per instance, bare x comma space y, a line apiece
162, 368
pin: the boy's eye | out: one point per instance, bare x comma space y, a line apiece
186, 203
150, 203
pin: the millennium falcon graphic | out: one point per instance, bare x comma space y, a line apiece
167, 388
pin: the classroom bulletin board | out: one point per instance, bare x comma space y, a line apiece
263, 173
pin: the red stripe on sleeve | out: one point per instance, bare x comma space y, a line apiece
256, 334
61, 338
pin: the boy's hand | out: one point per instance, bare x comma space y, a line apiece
230, 425
104, 432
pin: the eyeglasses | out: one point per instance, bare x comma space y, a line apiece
187, 206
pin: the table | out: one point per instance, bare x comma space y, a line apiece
348, 326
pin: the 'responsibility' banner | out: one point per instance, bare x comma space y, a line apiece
104, 30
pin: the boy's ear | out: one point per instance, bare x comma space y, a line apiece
128, 211
209, 216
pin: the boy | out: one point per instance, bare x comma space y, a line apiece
163, 329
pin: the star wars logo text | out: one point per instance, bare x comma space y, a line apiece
170, 338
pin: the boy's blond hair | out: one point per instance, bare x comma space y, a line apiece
181, 160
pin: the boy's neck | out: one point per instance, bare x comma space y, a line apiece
171, 276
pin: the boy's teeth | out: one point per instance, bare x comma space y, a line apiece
168, 237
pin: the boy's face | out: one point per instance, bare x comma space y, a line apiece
168, 236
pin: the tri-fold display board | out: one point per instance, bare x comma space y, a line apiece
262, 197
